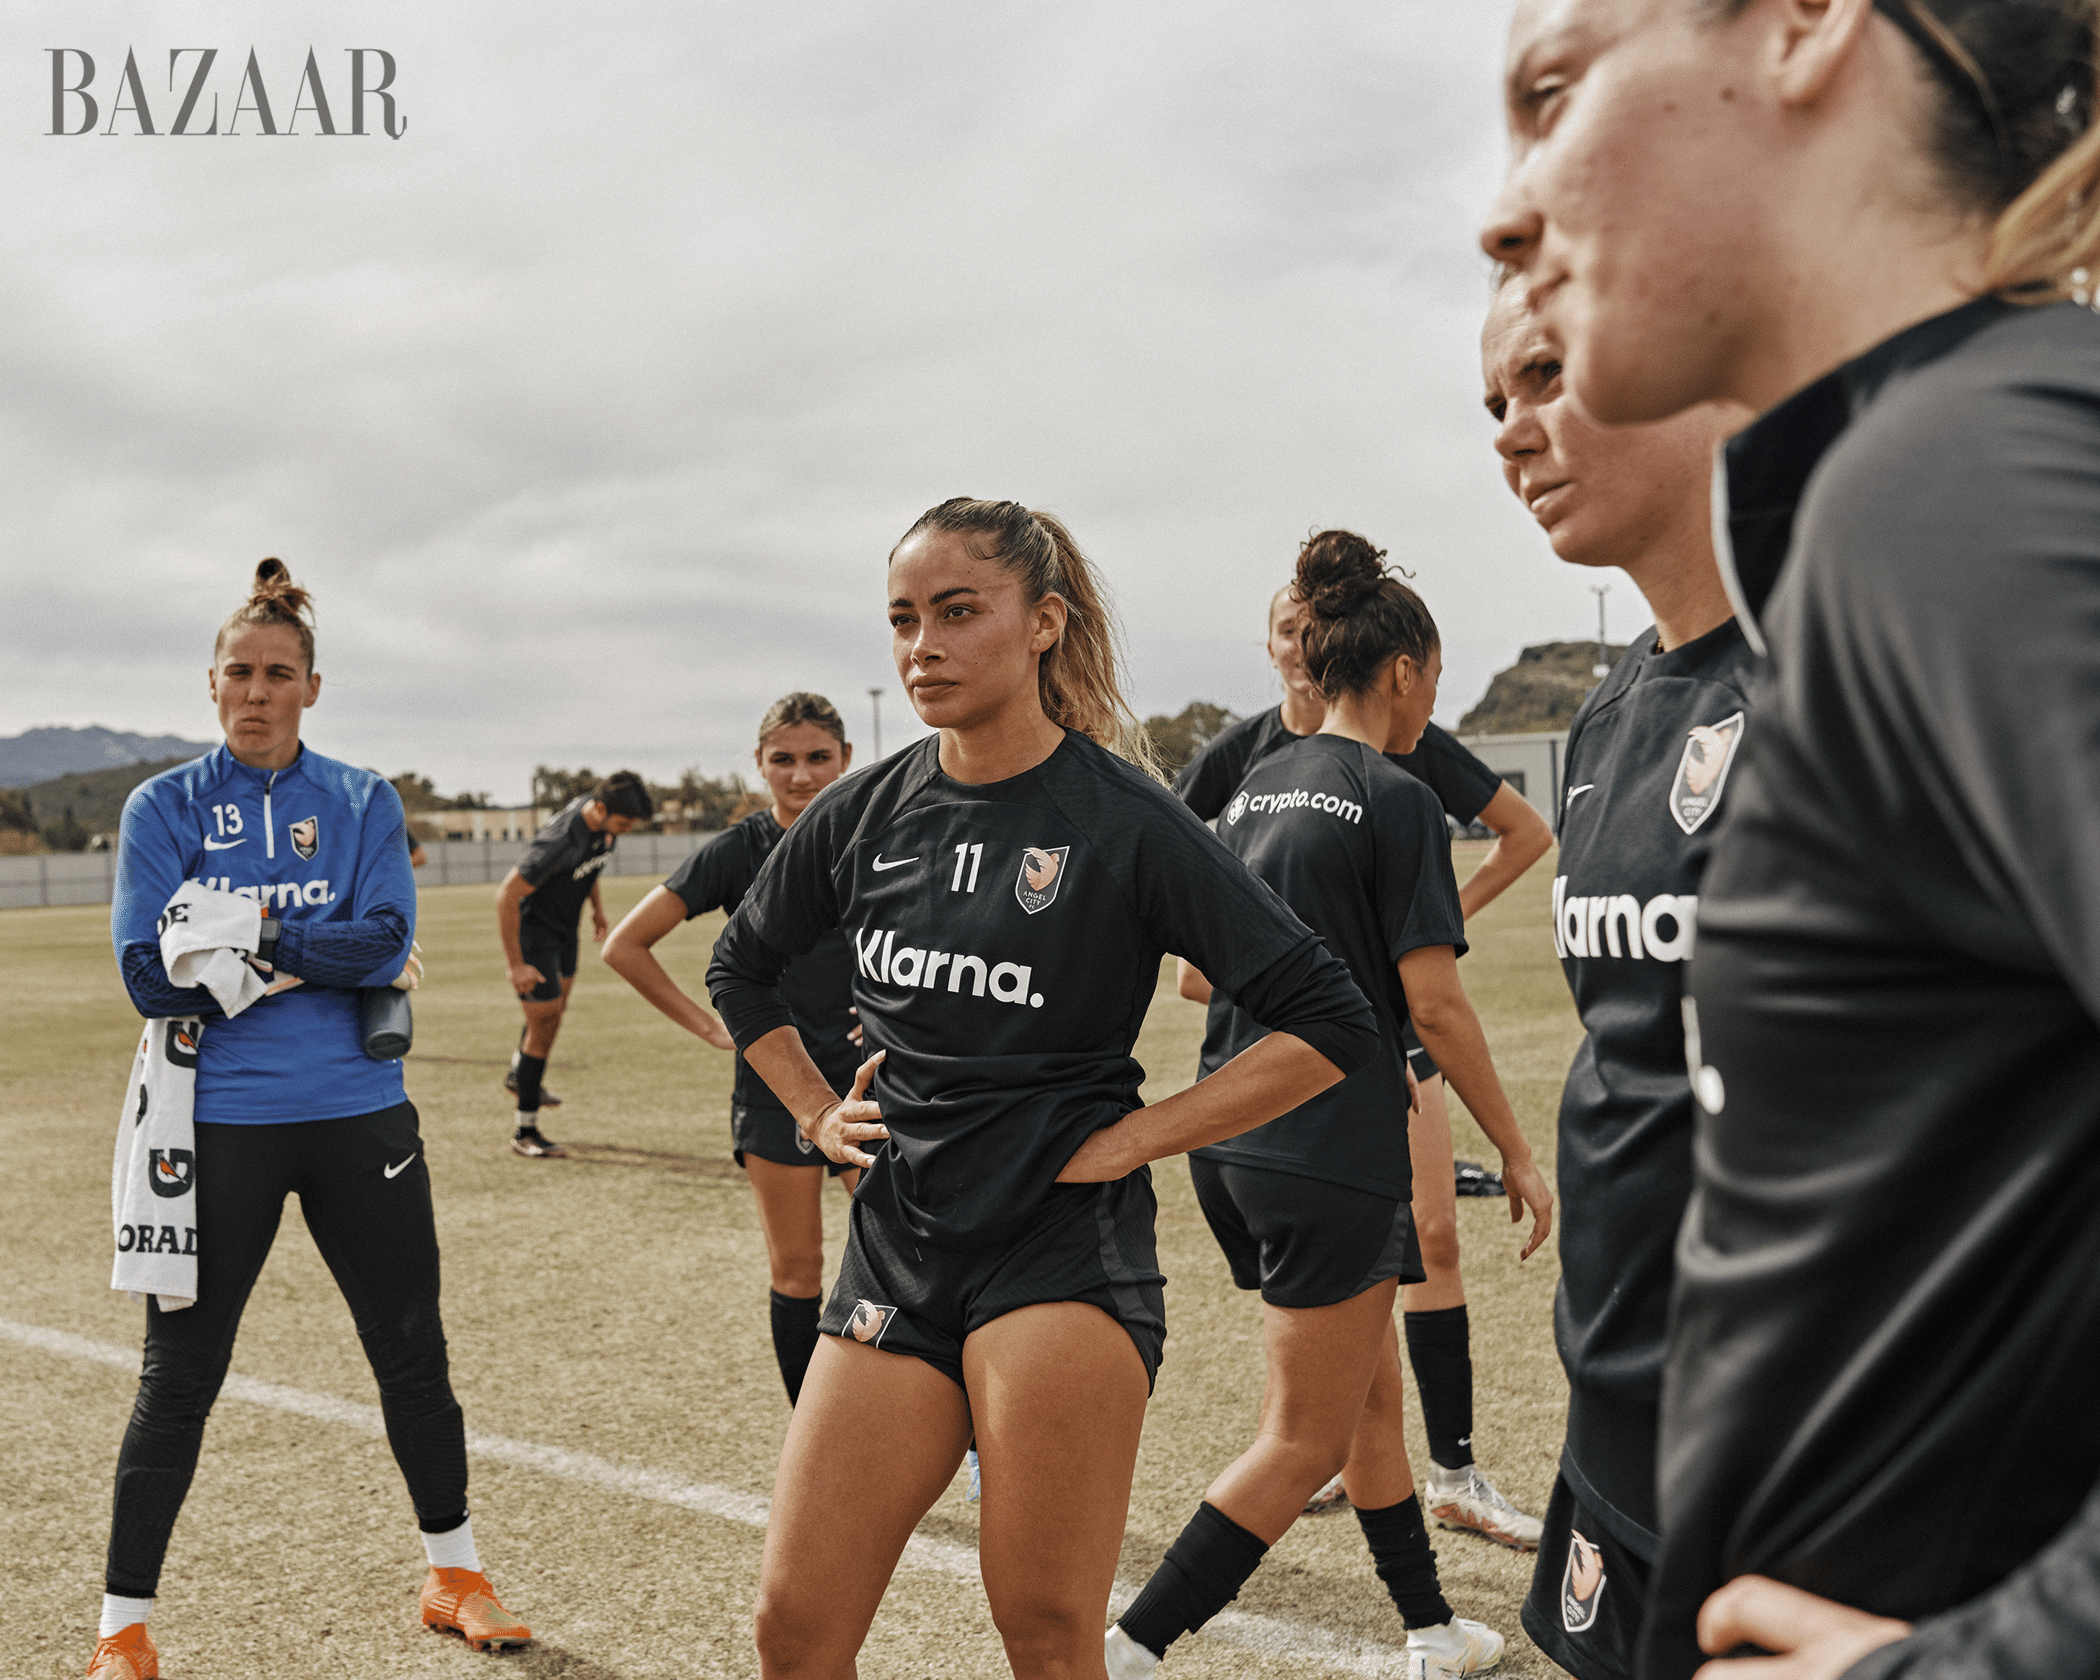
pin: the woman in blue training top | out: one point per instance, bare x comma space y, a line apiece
286, 1100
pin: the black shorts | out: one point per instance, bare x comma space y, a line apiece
1092, 1243
1418, 1059
553, 953
772, 1135
1588, 1593
1302, 1241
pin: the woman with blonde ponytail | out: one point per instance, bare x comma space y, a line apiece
1878, 222
1007, 889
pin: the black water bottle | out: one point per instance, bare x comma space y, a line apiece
385, 1023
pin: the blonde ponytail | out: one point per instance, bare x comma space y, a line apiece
2046, 244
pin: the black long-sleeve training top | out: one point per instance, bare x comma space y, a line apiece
1007, 940
1885, 1337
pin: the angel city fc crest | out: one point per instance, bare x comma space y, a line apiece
1581, 1584
1042, 873
306, 837
868, 1321
1695, 791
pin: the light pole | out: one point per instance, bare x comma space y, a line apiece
1603, 666
875, 700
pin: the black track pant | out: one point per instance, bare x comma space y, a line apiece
365, 1191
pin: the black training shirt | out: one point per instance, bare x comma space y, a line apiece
818, 984
1886, 1329
561, 866
1007, 940
1649, 755
1451, 770
1359, 849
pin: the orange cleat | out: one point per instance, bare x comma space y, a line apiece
126, 1655
461, 1601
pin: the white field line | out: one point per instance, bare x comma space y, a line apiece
1269, 1635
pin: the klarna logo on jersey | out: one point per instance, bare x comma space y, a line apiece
281, 894
1298, 799
883, 960
1620, 925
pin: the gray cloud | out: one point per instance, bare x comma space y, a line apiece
590, 407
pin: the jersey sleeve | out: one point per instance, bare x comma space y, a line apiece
368, 947
791, 904
1452, 771
149, 869
1416, 886
1208, 779
718, 873
1976, 661
2040, 1621
1200, 902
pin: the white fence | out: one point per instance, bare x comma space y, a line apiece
90, 877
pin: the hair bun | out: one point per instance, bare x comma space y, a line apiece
1337, 572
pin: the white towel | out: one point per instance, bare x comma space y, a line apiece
153, 1181
206, 937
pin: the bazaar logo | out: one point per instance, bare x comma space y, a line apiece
1042, 873
76, 109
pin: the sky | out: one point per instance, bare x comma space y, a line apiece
590, 406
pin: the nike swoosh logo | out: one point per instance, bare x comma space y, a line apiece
396, 1172
894, 863
223, 845
1572, 792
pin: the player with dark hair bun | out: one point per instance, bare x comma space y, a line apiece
1313, 1209
297, 860
1007, 888
537, 907
802, 749
1457, 1493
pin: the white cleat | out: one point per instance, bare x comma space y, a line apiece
1466, 1499
1332, 1497
1126, 1658
1457, 1647
975, 1490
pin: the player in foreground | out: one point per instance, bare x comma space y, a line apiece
1648, 761
1879, 1442
1456, 1491
802, 749
1312, 1208
287, 1101
537, 907
1009, 886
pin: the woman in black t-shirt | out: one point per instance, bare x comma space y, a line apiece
802, 749
1878, 225
1009, 887
1457, 1492
1313, 1208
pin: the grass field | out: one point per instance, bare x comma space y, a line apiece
613, 1307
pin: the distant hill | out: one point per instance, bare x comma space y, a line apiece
37, 755
1539, 692
95, 797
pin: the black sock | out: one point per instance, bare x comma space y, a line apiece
530, 1071
1401, 1555
1202, 1572
1440, 1348
795, 1337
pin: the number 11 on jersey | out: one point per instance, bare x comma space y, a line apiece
971, 855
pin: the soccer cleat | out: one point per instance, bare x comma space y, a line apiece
1466, 1499
976, 1489
1457, 1647
1126, 1658
461, 1601
1332, 1497
529, 1141
125, 1655
547, 1098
